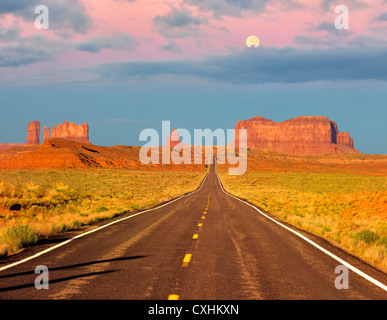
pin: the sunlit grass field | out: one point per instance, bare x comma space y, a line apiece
38, 203
348, 209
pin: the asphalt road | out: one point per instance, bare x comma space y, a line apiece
206, 245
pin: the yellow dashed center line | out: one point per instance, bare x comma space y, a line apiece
187, 259
188, 256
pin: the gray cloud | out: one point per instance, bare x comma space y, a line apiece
229, 7
382, 17
366, 41
326, 26
70, 15
8, 34
171, 47
325, 4
328, 5
179, 23
179, 18
332, 37
65, 16
29, 50
118, 41
324, 34
264, 65
16, 50
16, 5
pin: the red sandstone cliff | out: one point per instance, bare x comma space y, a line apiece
46, 133
33, 133
174, 139
68, 131
299, 136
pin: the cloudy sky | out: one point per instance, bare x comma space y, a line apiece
126, 65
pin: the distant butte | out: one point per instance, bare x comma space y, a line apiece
174, 139
68, 131
33, 133
298, 136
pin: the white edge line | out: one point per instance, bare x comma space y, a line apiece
97, 229
349, 266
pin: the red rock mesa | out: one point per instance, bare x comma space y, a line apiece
299, 136
68, 131
174, 139
33, 133
46, 133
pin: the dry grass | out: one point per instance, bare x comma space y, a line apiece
349, 209
46, 202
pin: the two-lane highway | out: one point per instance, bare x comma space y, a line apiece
206, 245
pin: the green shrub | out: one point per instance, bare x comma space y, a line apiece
367, 236
18, 237
76, 224
62, 227
382, 242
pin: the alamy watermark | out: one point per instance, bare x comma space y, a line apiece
42, 21
341, 281
41, 281
181, 153
342, 20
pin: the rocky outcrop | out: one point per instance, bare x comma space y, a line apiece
69, 131
33, 133
299, 136
174, 139
66, 130
46, 133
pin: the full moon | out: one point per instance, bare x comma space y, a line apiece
252, 41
